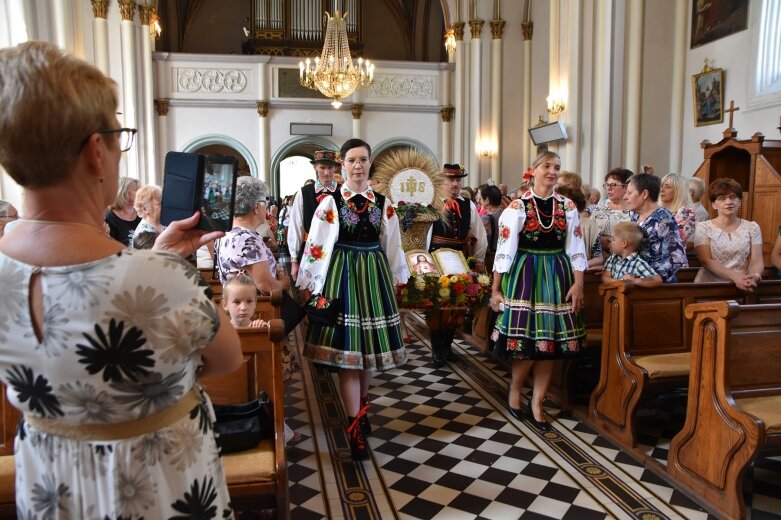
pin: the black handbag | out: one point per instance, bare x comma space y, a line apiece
322, 310
241, 427
292, 312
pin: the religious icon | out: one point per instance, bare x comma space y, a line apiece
421, 262
708, 92
714, 19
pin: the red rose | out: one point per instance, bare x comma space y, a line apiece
316, 252
389, 212
505, 233
458, 288
532, 225
561, 224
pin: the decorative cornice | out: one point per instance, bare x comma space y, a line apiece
357, 110
528, 30
458, 31
100, 8
263, 107
447, 113
497, 28
161, 106
145, 13
476, 26
127, 9
404, 86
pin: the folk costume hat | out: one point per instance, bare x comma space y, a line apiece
325, 156
453, 171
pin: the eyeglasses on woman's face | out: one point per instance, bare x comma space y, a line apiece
613, 185
126, 137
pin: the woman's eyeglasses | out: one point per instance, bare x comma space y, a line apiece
613, 186
126, 137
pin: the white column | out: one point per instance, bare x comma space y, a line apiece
475, 119
100, 34
145, 13
447, 138
528, 151
634, 84
263, 156
129, 79
357, 111
679, 87
497, 26
572, 114
161, 107
61, 24
459, 129
601, 92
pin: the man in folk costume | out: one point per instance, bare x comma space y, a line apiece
308, 198
459, 226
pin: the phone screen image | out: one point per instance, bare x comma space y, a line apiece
217, 195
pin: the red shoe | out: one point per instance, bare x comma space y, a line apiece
358, 446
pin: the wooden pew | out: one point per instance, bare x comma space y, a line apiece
10, 418
646, 341
734, 407
257, 477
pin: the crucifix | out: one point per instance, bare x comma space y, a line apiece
732, 108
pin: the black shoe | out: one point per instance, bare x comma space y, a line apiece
358, 447
451, 356
518, 413
437, 360
543, 426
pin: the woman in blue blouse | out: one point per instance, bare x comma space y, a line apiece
663, 247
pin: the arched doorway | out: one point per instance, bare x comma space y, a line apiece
400, 142
222, 144
293, 157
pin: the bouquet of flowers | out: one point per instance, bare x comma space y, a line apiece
455, 291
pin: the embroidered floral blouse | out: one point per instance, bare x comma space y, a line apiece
662, 246
332, 220
513, 222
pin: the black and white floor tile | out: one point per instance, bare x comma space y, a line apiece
444, 447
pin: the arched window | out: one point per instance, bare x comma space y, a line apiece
13, 28
765, 78
293, 173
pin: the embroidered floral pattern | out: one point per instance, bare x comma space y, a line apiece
326, 215
389, 212
314, 252
504, 234
533, 228
516, 204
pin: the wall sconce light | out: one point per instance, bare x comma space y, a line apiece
450, 41
486, 149
155, 28
555, 106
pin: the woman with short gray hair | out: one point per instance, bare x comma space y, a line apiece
242, 248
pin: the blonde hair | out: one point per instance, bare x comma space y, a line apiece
629, 231
544, 156
125, 185
147, 194
681, 197
571, 179
242, 279
50, 104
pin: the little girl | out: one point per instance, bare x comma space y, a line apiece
239, 297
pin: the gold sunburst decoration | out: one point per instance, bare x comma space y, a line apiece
409, 176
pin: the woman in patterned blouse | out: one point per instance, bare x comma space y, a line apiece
674, 195
663, 248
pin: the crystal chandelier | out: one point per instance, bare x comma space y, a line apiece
334, 73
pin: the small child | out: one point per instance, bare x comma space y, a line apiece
625, 263
239, 298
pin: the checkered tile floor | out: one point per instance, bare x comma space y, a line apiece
445, 447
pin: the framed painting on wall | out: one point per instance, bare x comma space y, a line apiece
714, 19
708, 96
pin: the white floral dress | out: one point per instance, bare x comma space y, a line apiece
121, 339
732, 250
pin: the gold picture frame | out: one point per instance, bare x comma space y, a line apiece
708, 96
450, 261
421, 262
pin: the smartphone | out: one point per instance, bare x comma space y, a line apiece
206, 183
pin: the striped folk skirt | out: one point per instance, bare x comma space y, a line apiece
367, 333
537, 323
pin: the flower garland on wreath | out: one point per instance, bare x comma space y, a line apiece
465, 290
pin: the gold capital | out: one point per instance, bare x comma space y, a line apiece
497, 28
458, 31
161, 106
476, 26
447, 113
262, 108
127, 8
100, 8
357, 110
145, 13
528, 30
